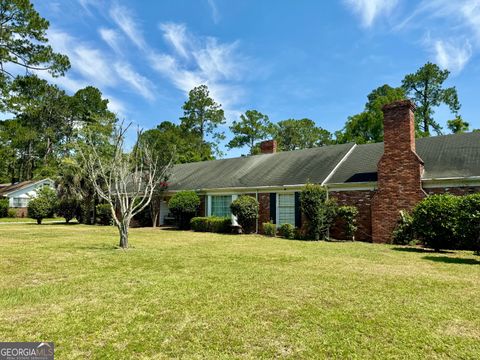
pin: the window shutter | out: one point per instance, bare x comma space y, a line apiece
273, 207
298, 213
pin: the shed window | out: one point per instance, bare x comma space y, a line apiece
286, 209
221, 205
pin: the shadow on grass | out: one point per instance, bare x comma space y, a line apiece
99, 247
452, 260
420, 250
61, 223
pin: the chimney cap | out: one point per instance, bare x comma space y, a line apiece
399, 104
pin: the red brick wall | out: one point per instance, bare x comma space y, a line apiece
264, 210
21, 212
399, 171
361, 199
202, 210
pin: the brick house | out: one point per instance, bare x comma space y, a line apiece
379, 179
20, 193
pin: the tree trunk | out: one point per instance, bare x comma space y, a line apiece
154, 219
123, 230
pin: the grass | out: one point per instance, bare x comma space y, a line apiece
28, 220
199, 295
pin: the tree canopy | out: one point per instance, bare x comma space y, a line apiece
252, 128
367, 126
24, 44
295, 134
426, 88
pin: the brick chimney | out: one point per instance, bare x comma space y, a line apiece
399, 170
268, 147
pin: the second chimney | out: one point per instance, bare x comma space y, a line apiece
268, 147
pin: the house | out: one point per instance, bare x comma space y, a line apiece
20, 193
379, 179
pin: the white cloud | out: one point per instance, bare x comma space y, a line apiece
116, 106
455, 28
205, 61
369, 10
176, 35
217, 60
112, 38
470, 11
91, 66
194, 60
121, 16
214, 10
451, 56
136, 81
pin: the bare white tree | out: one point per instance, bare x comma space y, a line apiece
127, 181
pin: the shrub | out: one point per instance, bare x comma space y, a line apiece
3, 208
270, 229
287, 231
435, 221
404, 233
199, 224
44, 205
38, 209
12, 213
348, 216
469, 222
300, 234
104, 214
245, 208
219, 224
318, 210
69, 209
211, 224
184, 206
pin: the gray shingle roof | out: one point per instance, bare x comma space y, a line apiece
8, 188
284, 168
444, 157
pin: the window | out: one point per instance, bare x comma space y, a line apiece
286, 209
20, 202
221, 205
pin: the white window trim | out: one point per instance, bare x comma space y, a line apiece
277, 212
209, 205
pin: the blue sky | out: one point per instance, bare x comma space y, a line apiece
287, 59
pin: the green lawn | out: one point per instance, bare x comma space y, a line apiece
193, 295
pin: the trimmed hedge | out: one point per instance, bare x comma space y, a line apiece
442, 221
435, 221
287, 231
211, 224
270, 229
